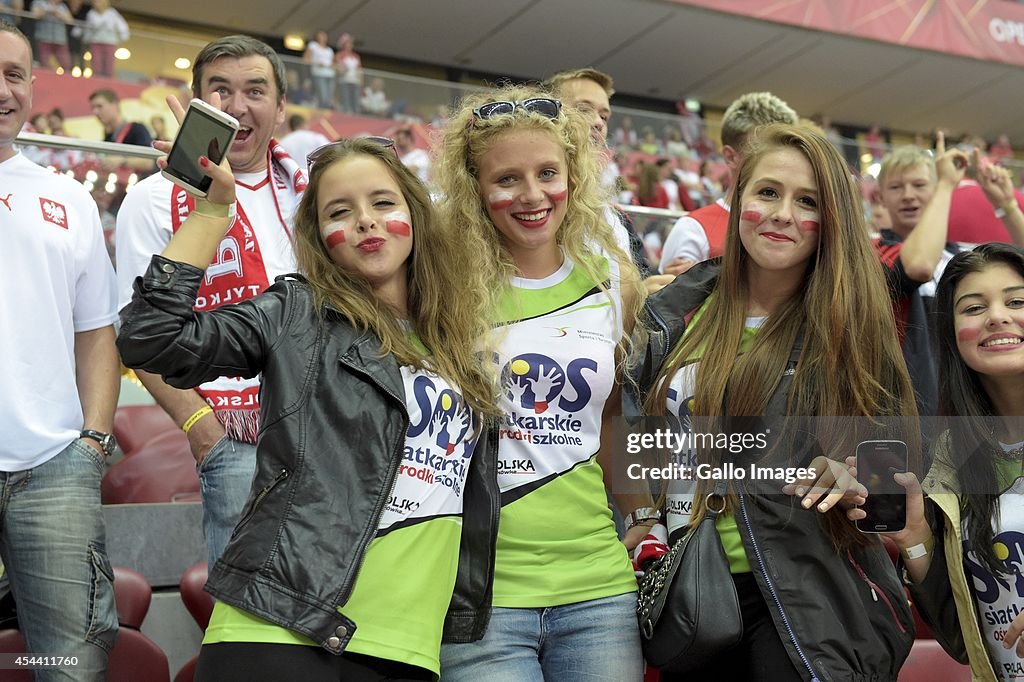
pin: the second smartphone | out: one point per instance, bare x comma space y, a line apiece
886, 506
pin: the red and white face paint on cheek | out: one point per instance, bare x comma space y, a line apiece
334, 234
398, 224
751, 215
968, 335
809, 225
558, 193
499, 201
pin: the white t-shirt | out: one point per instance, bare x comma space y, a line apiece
418, 161
57, 280
299, 143
687, 240
672, 190
351, 68
321, 60
1000, 598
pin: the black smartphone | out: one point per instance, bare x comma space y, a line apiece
205, 131
886, 507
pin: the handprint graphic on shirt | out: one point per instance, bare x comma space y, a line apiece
542, 386
457, 426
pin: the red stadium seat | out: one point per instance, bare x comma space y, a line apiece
134, 425
928, 662
197, 600
132, 594
12, 642
188, 671
200, 604
134, 656
163, 470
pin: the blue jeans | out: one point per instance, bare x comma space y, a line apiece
53, 545
225, 478
592, 641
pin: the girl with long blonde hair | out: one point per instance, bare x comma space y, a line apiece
519, 179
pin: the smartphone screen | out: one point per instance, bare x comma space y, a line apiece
886, 506
200, 135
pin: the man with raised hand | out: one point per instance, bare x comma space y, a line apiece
59, 382
221, 418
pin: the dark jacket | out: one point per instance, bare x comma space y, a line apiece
334, 422
840, 615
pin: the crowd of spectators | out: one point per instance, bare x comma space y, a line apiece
662, 162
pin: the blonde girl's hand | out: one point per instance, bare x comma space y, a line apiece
222, 190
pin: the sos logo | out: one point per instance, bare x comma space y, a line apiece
443, 415
536, 382
1009, 548
681, 409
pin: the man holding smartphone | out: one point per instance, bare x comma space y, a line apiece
59, 381
221, 419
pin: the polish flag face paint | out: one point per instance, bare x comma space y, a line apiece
751, 216
558, 193
334, 234
398, 224
809, 225
499, 201
968, 335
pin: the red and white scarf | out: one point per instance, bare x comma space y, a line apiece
237, 274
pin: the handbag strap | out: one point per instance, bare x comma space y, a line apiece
711, 513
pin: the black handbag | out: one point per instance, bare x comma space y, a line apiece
687, 604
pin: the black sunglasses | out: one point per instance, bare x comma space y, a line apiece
545, 106
317, 153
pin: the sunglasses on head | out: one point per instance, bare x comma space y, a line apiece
544, 106
318, 153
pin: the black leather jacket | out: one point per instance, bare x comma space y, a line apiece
333, 425
841, 615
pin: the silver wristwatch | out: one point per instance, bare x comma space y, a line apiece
641, 515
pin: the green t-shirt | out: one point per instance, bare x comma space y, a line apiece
557, 542
680, 400
405, 584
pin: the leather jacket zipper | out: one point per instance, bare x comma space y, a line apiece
876, 591
283, 474
389, 484
771, 589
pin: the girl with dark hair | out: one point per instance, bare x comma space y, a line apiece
353, 553
792, 322
965, 566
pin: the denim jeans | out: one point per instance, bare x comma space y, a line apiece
596, 641
225, 478
53, 545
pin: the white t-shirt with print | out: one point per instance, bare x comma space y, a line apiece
57, 281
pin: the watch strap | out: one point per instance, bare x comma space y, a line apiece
105, 440
641, 515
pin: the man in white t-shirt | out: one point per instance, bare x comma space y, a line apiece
301, 140
414, 158
250, 79
700, 235
59, 382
